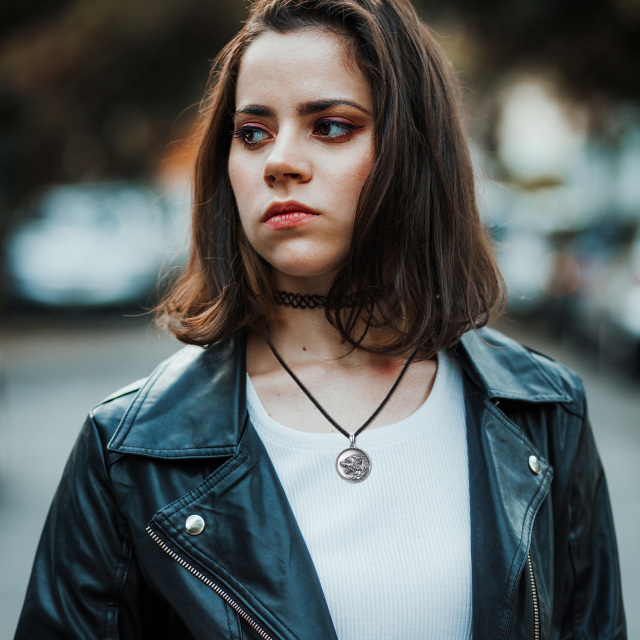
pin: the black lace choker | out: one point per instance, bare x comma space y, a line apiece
308, 300
300, 300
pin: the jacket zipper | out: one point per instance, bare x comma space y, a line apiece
263, 634
534, 595
212, 585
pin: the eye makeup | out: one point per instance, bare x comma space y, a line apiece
329, 129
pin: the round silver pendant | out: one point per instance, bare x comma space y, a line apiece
353, 465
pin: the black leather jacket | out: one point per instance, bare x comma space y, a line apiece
116, 560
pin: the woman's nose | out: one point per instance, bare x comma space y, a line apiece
287, 160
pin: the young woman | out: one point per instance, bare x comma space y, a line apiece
349, 456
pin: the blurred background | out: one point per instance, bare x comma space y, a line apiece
97, 105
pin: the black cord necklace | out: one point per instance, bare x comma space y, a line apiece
352, 464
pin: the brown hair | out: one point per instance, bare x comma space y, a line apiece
420, 262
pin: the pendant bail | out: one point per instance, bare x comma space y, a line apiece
352, 440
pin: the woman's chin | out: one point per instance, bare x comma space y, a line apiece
303, 277
307, 266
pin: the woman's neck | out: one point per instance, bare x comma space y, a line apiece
305, 334
348, 383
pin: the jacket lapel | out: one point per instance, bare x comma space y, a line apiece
505, 494
251, 546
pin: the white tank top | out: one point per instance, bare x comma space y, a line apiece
393, 553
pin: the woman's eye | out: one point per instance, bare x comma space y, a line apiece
250, 136
333, 129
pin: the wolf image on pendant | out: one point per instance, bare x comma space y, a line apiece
356, 466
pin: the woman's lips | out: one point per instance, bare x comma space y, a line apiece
290, 219
285, 215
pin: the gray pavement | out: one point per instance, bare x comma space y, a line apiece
50, 377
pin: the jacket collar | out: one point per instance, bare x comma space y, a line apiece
193, 405
503, 368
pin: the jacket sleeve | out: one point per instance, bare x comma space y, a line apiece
596, 610
83, 557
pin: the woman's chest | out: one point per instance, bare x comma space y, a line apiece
349, 396
393, 552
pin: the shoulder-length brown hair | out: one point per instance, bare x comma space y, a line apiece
420, 264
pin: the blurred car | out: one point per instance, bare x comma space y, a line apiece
522, 238
91, 245
524, 259
593, 288
621, 335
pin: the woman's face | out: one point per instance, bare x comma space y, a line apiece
302, 149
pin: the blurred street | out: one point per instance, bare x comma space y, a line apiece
50, 376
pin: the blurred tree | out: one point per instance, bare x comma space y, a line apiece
593, 45
92, 88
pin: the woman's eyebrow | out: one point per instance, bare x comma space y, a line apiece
303, 109
321, 105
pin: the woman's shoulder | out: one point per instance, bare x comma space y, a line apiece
542, 399
192, 387
509, 370
115, 405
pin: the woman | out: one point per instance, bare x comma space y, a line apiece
350, 456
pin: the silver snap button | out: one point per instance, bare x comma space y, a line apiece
194, 525
534, 465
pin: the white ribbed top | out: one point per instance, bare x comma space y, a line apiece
393, 553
